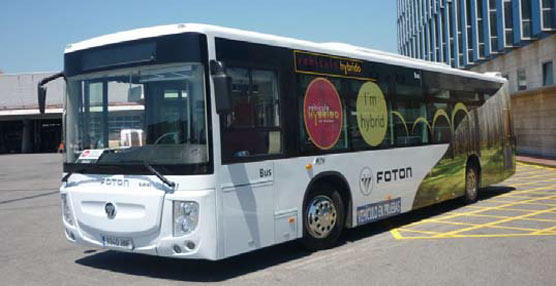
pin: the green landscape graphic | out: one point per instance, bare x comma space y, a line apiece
477, 133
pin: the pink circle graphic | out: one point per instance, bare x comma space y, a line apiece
322, 113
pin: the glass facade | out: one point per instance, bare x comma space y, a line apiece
470, 31
548, 15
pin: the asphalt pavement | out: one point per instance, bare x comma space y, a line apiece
507, 238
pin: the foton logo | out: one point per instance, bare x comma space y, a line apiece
394, 175
366, 181
115, 182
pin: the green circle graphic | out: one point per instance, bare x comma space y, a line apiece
372, 113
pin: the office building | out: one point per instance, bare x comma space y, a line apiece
514, 37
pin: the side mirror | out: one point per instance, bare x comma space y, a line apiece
222, 87
42, 98
41, 90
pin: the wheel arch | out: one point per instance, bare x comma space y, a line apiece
340, 183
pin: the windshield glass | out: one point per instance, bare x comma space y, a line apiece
154, 115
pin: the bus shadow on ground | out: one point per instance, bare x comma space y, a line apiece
193, 270
216, 271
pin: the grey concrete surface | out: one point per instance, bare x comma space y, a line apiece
33, 250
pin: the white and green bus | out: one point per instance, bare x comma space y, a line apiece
196, 141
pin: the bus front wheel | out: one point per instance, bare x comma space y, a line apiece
323, 218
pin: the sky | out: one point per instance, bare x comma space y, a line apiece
33, 34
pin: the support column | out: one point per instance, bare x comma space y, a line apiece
26, 137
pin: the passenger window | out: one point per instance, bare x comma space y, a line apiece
253, 126
411, 124
439, 116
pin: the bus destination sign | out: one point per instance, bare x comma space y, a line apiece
320, 64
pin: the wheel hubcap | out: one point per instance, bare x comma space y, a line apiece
471, 184
321, 216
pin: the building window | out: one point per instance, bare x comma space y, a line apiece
450, 28
493, 25
521, 79
460, 37
480, 29
444, 26
508, 23
470, 38
547, 74
548, 21
438, 45
526, 29
432, 45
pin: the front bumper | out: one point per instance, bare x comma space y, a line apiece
161, 242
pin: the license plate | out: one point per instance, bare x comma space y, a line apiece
117, 242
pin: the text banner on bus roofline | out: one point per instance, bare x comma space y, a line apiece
327, 65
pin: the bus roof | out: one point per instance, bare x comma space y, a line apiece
339, 49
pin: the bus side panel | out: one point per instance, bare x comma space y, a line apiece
497, 150
485, 132
396, 174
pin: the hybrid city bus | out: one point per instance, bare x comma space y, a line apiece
196, 141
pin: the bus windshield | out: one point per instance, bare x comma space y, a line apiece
149, 115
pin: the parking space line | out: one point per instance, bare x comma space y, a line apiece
551, 229
503, 217
531, 183
482, 225
521, 201
535, 166
536, 204
396, 234
496, 222
504, 209
477, 236
421, 231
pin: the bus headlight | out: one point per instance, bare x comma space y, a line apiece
186, 217
66, 210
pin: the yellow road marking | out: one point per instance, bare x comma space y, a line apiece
420, 231
532, 183
551, 229
481, 235
481, 225
396, 234
532, 197
536, 204
535, 166
503, 217
495, 222
480, 209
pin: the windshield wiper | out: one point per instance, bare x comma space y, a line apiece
68, 175
167, 182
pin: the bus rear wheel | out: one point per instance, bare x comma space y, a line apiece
471, 184
323, 218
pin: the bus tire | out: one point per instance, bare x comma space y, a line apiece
471, 184
323, 217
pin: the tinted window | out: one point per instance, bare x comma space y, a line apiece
409, 112
253, 126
